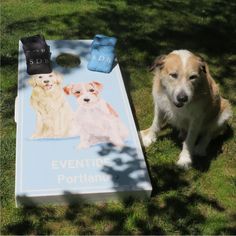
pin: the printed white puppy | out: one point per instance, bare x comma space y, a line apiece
95, 120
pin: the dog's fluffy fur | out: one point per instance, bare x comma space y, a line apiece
53, 113
186, 96
95, 120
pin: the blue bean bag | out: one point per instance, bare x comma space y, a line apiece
102, 54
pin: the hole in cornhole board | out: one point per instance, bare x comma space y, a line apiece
68, 60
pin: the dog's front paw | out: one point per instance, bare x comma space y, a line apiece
185, 160
200, 151
147, 137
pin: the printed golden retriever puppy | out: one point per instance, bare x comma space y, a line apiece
53, 113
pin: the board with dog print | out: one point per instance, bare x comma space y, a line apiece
76, 136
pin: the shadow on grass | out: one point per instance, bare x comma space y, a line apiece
33, 220
231, 230
129, 216
157, 27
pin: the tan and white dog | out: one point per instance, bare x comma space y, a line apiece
53, 113
187, 97
95, 120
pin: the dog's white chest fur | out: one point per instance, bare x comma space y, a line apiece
178, 117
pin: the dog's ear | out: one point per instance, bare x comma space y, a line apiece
202, 64
204, 69
159, 62
67, 89
32, 81
98, 85
58, 77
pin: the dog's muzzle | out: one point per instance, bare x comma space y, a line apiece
181, 98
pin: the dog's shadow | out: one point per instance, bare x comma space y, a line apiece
214, 149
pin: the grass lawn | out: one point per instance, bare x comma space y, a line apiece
197, 201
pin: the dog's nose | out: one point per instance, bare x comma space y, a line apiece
46, 81
182, 97
86, 99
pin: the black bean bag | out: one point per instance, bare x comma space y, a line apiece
37, 54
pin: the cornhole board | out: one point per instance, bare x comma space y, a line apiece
53, 170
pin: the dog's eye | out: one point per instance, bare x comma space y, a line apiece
91, 90
78, 92
174, 75
193, 77
40, 77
